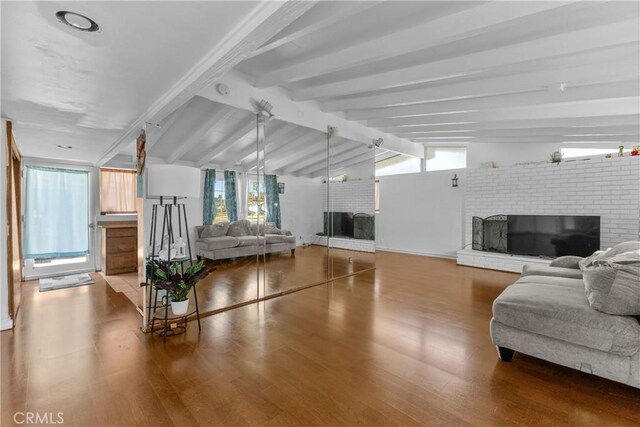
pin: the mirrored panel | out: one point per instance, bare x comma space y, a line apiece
294, 159
350, 217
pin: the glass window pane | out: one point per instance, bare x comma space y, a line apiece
397, 164
443, 158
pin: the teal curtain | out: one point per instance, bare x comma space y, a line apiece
230, 198
56, 218
208, 199
273, 200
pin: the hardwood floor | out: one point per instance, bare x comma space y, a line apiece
406, 344
237, 281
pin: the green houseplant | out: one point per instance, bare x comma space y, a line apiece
176, 284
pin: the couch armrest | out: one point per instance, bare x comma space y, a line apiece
569, 261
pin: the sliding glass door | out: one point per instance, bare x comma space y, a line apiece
58, 234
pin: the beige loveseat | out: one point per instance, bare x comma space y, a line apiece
241, 238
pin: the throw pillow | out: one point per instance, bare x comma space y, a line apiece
613, 285
270, 228
215, 230
239, 228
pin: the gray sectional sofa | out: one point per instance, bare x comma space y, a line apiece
240, 238
583, 313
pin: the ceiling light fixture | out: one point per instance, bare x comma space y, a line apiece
64, 147
77, 21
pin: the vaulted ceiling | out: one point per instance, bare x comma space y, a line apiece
413, 73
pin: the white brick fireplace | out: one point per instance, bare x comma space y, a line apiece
609, 188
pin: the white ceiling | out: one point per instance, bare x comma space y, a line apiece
429, 72
63, 86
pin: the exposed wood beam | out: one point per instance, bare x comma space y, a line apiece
275, 147
602, 107
310, 23
226, 143
196, 136
467, 23
336, 167
281, 129
576, 76
570, 93
337, 160
273, 159
517, 56
311, 147
305, 114
576, 122
266, 20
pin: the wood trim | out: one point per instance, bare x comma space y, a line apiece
9, 130
13, 186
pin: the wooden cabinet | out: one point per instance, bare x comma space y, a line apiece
119, 248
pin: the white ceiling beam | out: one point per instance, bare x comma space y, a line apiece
569, 122
274, 146
279, 129
227, 142
309, 23
295, 156
320, 158
517, 56
154, 134
537, 80
335, 167
306, 114
534, 139
557, 131
265, 21
197, 135
570, 93
603, 107
467, 23
338, 160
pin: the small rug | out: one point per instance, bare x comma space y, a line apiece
63, 282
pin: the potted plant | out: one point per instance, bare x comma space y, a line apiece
176, 284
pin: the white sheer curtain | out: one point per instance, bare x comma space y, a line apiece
56, 216
117, 191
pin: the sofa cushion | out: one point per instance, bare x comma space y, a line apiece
239, 228
268, 228
250, 240
279, 238
613, 286
568, 261
215, 230
212, 243
540, 305
620, 248
546, 270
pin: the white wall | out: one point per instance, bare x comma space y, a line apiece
609, 188
301, 207
5, 320
421, 213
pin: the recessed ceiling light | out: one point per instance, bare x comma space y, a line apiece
77, 21
64, 147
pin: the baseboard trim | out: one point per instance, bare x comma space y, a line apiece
428, 254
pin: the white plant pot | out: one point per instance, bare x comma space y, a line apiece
180, 307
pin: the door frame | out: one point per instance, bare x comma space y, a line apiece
13, 187
30, 272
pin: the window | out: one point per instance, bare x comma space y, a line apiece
376, 189
219, 200
396, 164
117, 191
255, 200
443, 158
568, 153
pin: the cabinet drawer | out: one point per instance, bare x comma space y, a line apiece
121, 232
122, 260
121, 244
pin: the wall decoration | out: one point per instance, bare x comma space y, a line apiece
141, 157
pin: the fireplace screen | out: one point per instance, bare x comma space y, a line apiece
489, 234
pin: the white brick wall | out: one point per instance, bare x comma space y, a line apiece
609, 188
351, 196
